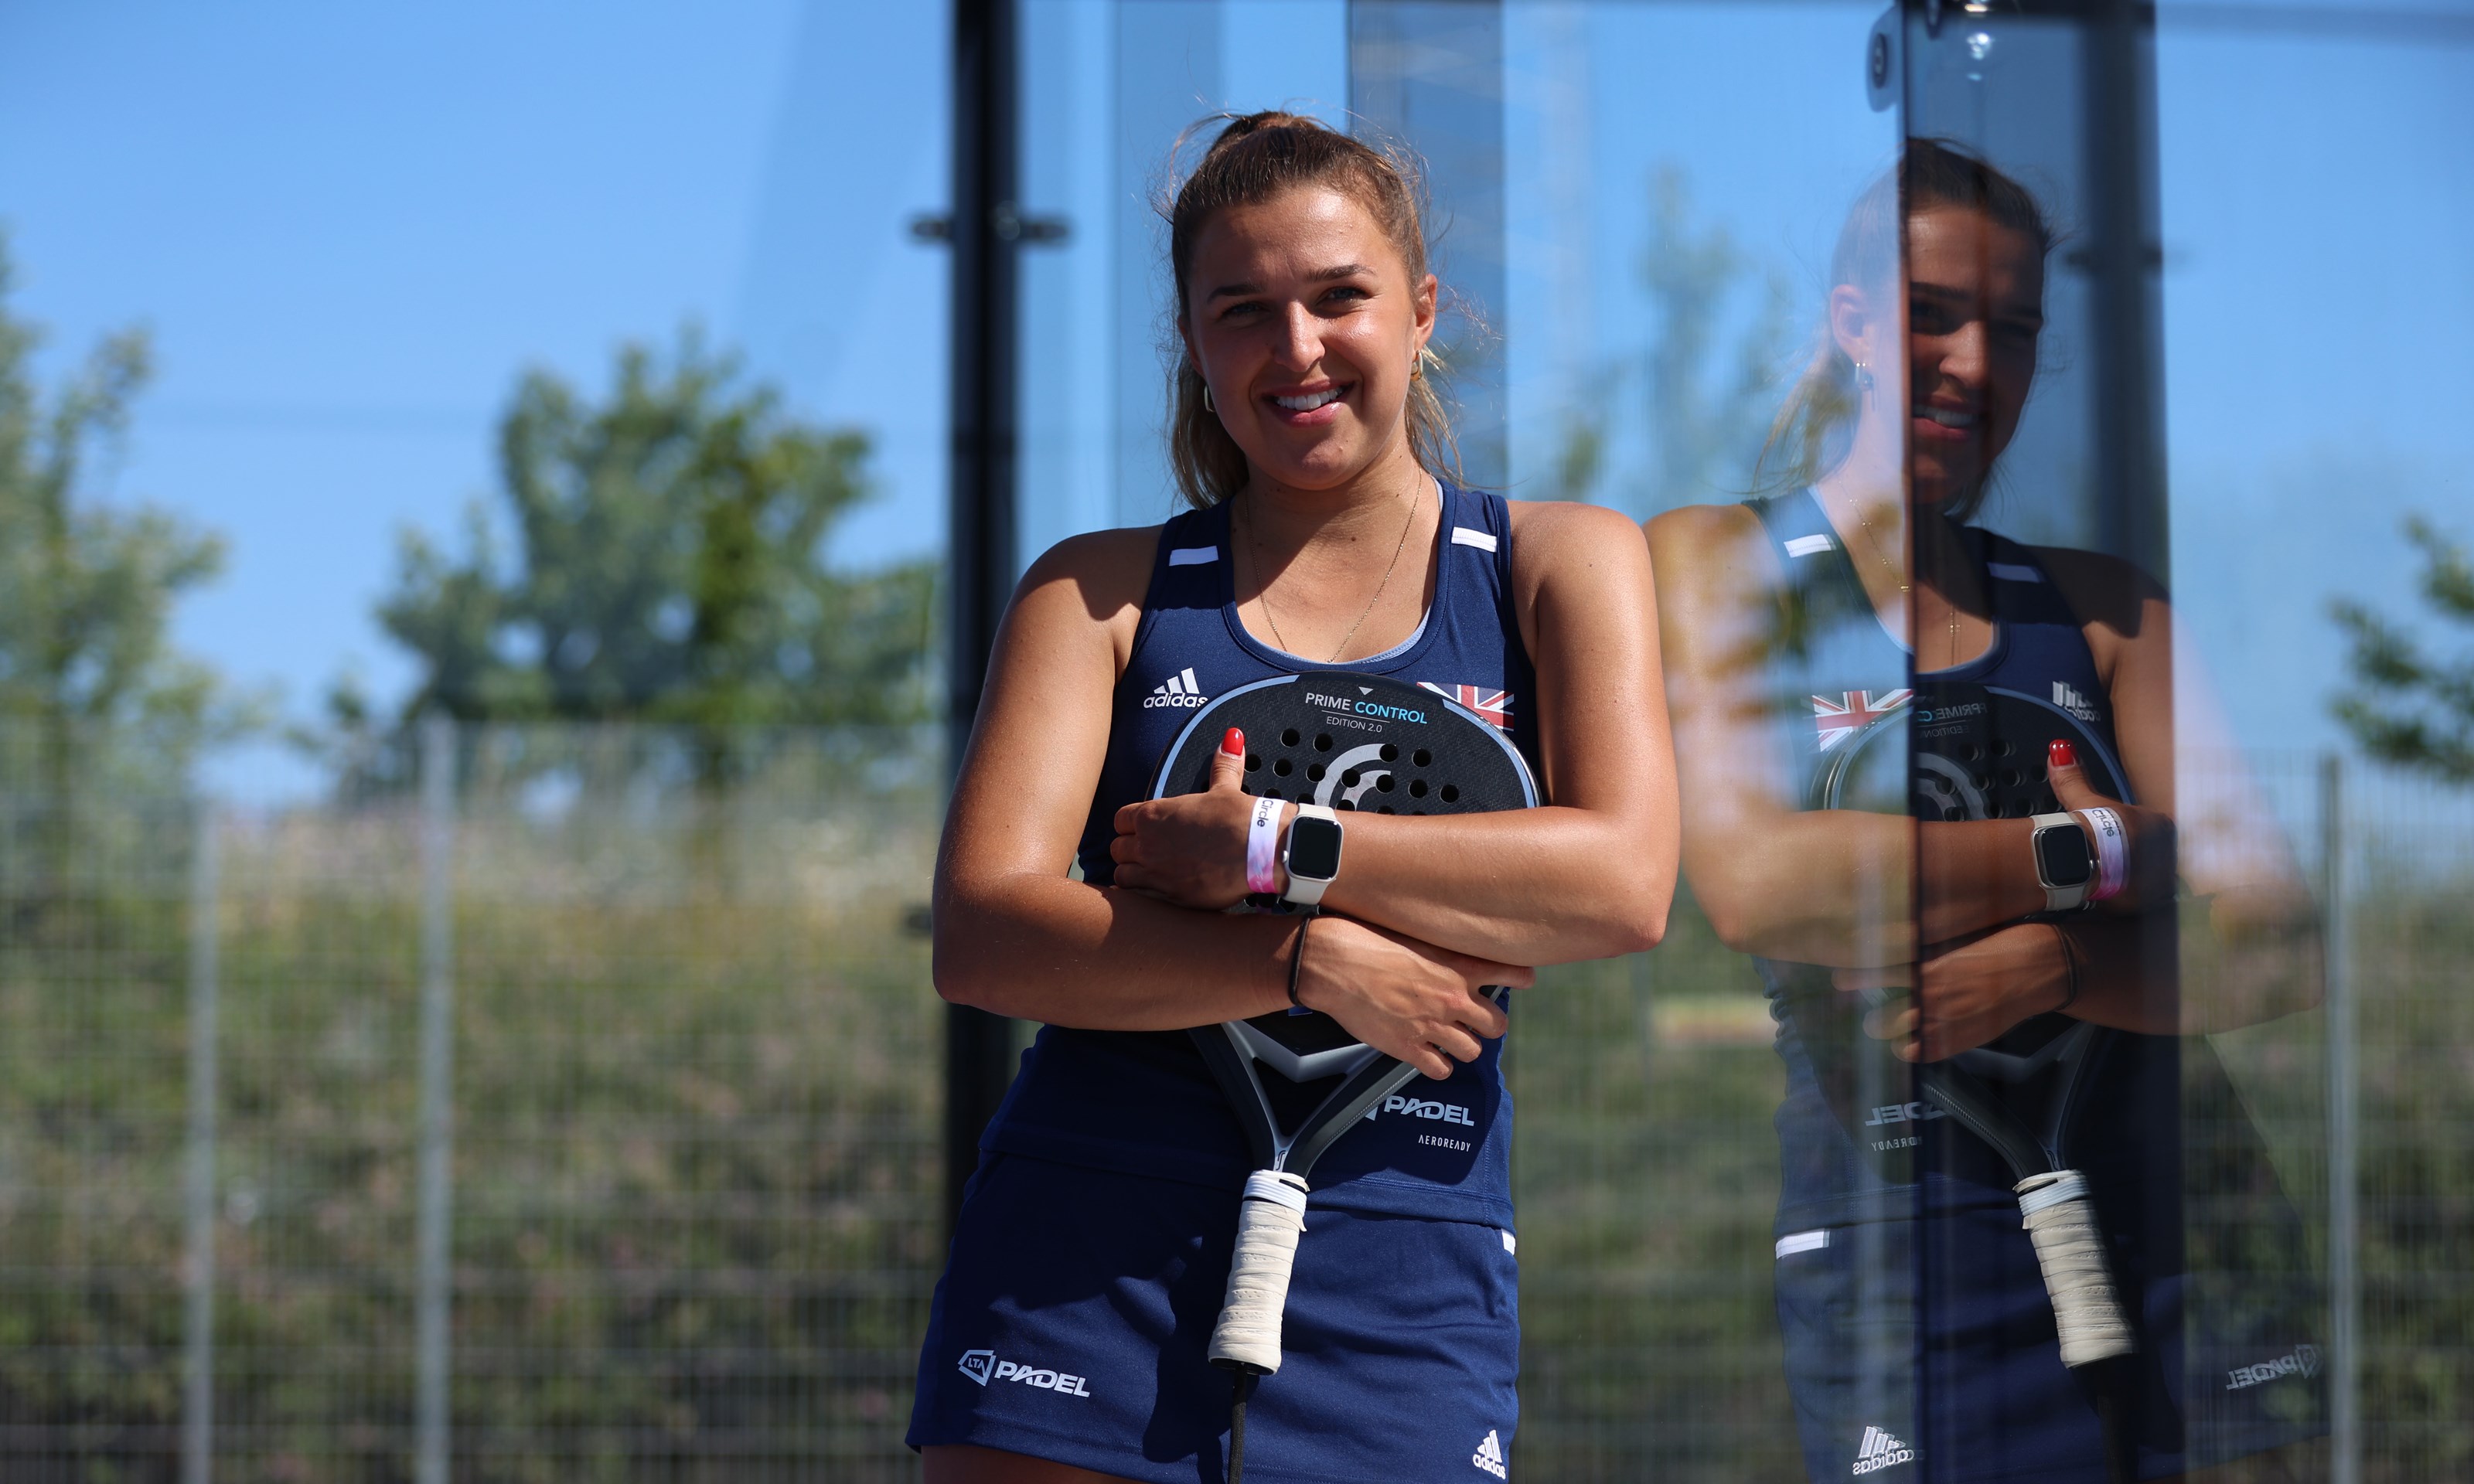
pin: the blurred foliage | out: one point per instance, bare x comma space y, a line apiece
87, 589
668, 566
2406, 707
1704, 405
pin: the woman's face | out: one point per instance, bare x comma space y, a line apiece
1975, 306
1302, 319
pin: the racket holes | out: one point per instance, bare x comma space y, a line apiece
2009, 778
1253, 762
1289, 738
1417, 788
1451, 793
2003, 748
1271, 793
1422, 758
1345, 804
1284, 767
1314, 772
1322, 741
1387, 809
1383, 785
1952, 813
1972, 753
1390, 753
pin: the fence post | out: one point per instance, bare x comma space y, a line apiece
431, 1300
198, 1410
2344, 1258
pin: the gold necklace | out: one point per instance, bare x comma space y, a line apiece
1875, 542
1263, 593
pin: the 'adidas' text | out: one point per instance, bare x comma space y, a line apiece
1489, 1455
1880, 1450
1177, 690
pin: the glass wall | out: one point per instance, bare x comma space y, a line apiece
464, 987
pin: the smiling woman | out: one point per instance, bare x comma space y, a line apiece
1327, 533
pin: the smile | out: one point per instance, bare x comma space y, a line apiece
1310, 401
1948, 417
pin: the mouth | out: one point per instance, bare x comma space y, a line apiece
1308, 407
1946, 424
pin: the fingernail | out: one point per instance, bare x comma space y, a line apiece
1232, 742
2063, 754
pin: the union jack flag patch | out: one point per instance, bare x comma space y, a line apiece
1851, 712
1495, 706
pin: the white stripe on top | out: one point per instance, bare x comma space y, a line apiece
1193, 556
1464, 536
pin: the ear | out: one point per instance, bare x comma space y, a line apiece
1185, 337
1422, 305
1853, 325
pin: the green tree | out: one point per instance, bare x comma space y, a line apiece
668, 566
93, 697
2404, 706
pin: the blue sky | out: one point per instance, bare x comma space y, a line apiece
349, 231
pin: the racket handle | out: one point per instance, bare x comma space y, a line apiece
2061, 1221
1268, 1220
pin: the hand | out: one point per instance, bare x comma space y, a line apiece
2149, 849
1190, 849
1405, 998
1968, 994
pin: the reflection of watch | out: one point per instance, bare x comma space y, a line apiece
2065, 865
1312, 854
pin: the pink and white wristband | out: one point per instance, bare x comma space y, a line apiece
2112, 852
1263, 848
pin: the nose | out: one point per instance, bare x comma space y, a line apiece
1963, 355
1300, 340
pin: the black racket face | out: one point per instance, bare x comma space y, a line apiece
1354, 742
1963, 752
1351, 742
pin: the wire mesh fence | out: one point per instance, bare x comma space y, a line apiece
578, 1120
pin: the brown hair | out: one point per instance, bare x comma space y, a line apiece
1256, 157
1810, 429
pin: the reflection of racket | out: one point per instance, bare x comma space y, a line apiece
1966, 752
1297, 1080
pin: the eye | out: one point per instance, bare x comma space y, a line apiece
1241, 309
1345, 294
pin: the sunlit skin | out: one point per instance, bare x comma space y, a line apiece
1305, 296
1830, 887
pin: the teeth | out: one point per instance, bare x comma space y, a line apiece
1950, 418
1311, 401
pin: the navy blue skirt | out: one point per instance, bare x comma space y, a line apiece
1071, 1322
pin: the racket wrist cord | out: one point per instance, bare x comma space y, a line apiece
1242, 1392
2070, 967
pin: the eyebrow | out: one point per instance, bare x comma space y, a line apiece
1920, 288
1318, 276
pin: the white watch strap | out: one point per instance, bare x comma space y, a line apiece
1307, 891
2057, 898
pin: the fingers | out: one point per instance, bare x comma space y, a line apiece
1228, 764
1860, 981
2069, 783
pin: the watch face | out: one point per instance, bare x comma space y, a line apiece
2062, 855
1314, 848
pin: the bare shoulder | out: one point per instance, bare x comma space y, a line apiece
1713, 547
1104, 572
2103, 589
1552, 538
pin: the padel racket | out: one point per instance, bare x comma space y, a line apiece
1298, 1079
1968, 752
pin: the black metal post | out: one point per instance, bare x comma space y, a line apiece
984, 231
2125, 261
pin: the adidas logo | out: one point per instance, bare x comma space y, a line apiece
1181, 689
1489, 1455
2068, 698
1881, 1450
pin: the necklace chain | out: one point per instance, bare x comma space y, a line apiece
1255, 542
1879, 555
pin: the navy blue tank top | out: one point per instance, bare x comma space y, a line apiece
1143, 1102
1834, 670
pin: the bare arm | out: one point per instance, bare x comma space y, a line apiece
1015, 935
1589, 875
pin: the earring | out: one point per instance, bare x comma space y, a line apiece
1206, 398
1863, 378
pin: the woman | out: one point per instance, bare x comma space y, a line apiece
1916, 1320
1095, 1238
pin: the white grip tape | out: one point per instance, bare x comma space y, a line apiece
1267, 1223
2062, 1224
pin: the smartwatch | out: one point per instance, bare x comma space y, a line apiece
2065, 865
1312, 854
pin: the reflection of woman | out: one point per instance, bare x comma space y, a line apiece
1094, 1243
1793, 623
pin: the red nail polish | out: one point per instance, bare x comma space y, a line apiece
1233, 742
2063, 754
